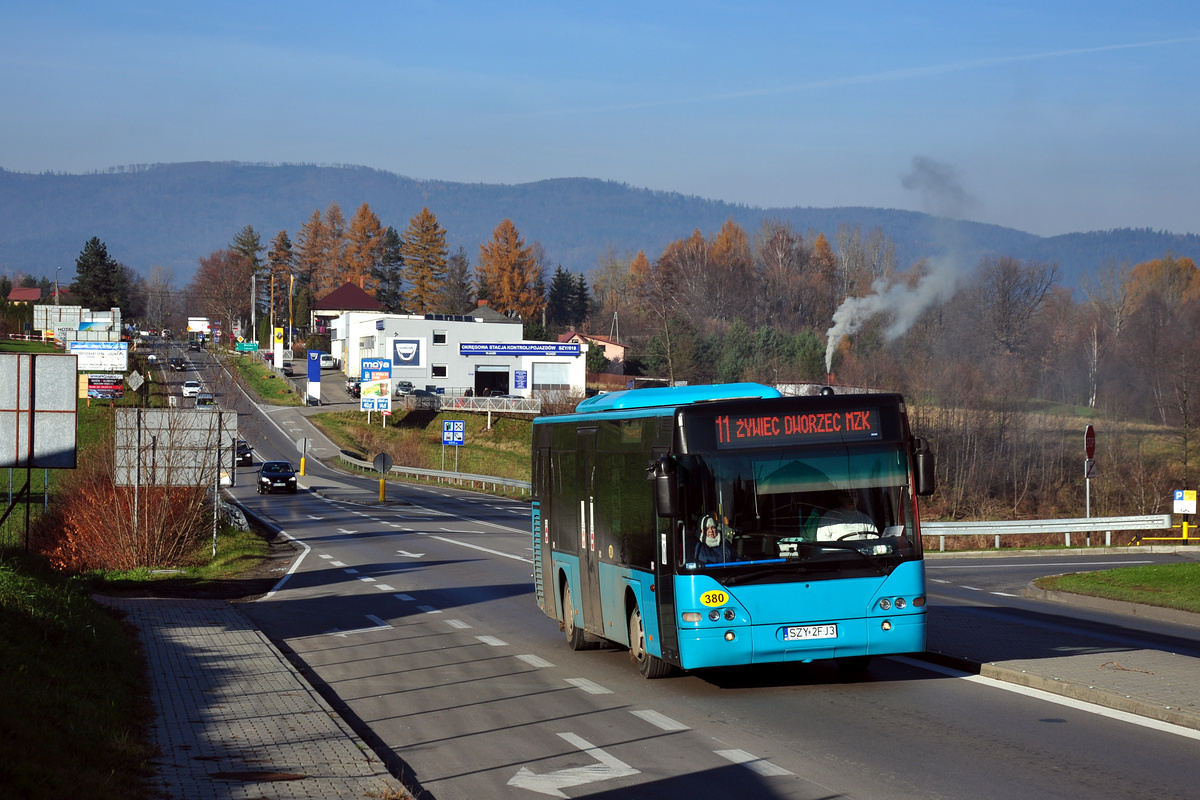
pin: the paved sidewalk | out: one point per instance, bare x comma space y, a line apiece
235, 719
1042, 654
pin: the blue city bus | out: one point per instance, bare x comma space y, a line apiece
811, 545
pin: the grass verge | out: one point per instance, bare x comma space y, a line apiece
263, 380
75, 715
73, 705
1165, 585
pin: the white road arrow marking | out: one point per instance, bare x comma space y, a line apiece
344, 530
407, 554
552, 783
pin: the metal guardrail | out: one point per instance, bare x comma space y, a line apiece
1084, 525
458, 478
512, 405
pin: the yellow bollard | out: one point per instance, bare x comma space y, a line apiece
301, 465
381, 489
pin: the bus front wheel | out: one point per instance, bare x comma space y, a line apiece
649, 666
574, 633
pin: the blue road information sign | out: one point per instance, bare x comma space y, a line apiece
1185, 501
454, 431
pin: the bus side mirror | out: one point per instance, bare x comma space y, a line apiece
666, 488
923, 469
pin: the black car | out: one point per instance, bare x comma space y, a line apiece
245, 454
276, 476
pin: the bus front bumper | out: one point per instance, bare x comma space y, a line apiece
724, 646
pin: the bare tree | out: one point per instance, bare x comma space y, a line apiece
1012, 293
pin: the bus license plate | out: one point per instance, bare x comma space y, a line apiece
810, 632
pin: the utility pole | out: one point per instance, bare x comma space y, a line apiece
253, 308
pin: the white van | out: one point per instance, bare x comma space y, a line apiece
328, 361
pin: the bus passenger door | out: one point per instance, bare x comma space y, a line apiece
589, 560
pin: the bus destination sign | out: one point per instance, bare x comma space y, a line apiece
767, 430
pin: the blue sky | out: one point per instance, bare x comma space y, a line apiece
1050, 117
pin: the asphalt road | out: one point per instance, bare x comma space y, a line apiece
420, 619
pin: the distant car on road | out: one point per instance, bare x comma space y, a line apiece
191, 388
176, 363
287, 368
245, 454
328, 361
205, 402
276, 476
194, 347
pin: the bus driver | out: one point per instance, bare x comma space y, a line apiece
845, 521
711, 548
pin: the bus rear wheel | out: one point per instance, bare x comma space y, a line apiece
649, 666
575, 639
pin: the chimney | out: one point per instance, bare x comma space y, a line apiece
482, 303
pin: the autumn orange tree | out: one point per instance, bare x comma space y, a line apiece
220, 288
364, 248
423, 248
510, 272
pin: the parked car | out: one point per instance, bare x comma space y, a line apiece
328, 361
276, 476
354, 387
191, 388
287, 368
205, 402
403, 388
245, 454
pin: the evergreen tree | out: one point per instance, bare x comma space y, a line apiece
388, 273
561, 299
424, 251
99, 280
583, 302
457, 297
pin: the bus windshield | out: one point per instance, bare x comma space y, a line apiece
787, 514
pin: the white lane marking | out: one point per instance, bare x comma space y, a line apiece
938, 580
383, 587
457, 623
379, 625
477, 547
971, 588
535, 661
492, 641
588, 686
343, 530
1005, 594
429, 609
660, 720
314, 516
325, 556
293, 568
350, 571
367, 579
407, 554
552, 783
752, 762
337, 563
406, 598
1050, 697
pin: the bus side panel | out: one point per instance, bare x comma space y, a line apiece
616, 583
567, 565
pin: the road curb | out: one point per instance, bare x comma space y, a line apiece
1123, 607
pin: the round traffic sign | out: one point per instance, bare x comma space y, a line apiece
383, 462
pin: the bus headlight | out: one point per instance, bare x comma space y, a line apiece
886, 625
730, 614
901, 602
885, 604
714, 614
729, 637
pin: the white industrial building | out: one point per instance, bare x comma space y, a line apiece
481, 353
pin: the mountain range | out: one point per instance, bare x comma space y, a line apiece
174, 214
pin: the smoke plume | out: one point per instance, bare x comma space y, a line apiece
943, 196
